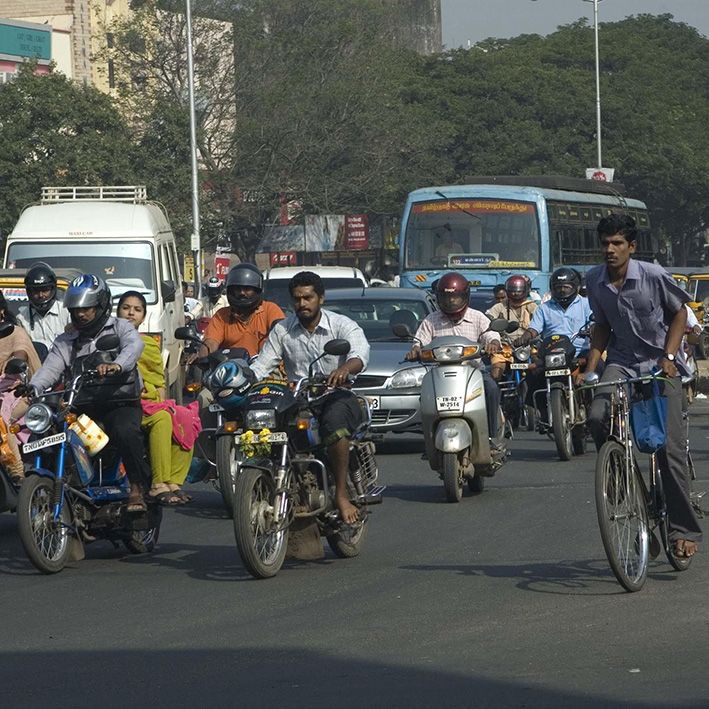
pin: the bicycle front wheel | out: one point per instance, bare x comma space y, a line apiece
622, 516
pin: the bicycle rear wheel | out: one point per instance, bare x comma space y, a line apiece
622, 517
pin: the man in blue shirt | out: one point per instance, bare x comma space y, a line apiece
640, 318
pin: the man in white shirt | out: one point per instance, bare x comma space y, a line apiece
43, 317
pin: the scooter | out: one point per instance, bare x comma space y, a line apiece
454, 416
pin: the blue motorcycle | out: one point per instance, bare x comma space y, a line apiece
69, 498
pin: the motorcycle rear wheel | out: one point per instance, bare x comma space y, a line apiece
46, 543
143, 541
261, 550
452, 479
560, 424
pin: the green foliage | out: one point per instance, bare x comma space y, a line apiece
527, 106
56, 132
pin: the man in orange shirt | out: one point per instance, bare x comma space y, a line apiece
248, 318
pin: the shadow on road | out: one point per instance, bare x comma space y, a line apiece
393, 445
287, 676
567, 578
417, 493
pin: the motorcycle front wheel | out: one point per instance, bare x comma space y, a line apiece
226, 470
452, 479
45, 541
560, 424
261, 548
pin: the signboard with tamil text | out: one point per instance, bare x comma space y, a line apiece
21, 39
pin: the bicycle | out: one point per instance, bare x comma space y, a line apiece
628, 510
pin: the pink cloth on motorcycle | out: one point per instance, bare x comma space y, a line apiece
186, 424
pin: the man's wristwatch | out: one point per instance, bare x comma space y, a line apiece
669, 356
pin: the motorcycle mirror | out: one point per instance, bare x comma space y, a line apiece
6, 329
591, 378
511, 327
402, 330
499, 325
186, 333
108, 343
337, 347
15, 366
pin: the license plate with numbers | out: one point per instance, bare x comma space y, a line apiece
557, 372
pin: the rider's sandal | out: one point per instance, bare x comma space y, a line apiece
167, 498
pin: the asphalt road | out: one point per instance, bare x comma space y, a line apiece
504, 600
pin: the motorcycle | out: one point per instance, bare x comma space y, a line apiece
218, 369
196, 329
68, 498
284, 495
454, 415
566, 411
513, 387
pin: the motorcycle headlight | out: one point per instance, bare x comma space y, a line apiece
449, 353
38, 418
408, 378
555, 360
260, 418
522, 353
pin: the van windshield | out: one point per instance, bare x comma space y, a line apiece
123, 265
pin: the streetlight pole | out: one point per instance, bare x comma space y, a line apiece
195, 240
598, 81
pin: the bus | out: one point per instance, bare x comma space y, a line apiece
494, 227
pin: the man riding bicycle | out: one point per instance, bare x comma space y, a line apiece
640, 317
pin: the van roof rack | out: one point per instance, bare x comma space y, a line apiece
137, 194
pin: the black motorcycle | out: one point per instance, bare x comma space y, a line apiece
284, 494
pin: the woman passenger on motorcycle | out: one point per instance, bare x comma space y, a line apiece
17, 345
88, 300
169, 462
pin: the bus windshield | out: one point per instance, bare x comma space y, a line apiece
472, 233
123, 265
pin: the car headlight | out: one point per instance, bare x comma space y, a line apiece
38, 418
260, 418
555, 360
522, 353
409, 378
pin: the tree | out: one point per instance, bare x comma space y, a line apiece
527, 106
56, 132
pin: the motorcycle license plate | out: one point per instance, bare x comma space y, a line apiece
449, 403
277, 437
44, 442
216, 408
519, 365
374, 402
557, 372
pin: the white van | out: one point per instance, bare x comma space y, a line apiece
117, 234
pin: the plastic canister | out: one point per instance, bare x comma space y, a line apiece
90, 433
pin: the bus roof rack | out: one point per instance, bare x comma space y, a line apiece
137, 194
550, 182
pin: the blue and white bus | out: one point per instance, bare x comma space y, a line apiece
497, 226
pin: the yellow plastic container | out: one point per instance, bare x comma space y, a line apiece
90, 433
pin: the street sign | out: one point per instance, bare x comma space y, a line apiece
188, 268
221, 267
600, 174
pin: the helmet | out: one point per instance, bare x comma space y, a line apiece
453, 294
89, 291
245, 275
40, 276
517, 288
214, 287
564, 285
229, 384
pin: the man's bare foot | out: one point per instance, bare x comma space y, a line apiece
684, 548
348, 512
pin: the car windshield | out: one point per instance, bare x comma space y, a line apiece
374, 316
276, 289
472, 233
123, 265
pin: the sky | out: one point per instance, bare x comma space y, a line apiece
475, 20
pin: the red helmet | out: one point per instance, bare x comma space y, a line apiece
453, 294
517, 287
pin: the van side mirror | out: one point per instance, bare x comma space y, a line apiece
168, 291
108, 343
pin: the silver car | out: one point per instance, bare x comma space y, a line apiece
392, 385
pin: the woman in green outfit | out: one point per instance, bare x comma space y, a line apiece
168, 460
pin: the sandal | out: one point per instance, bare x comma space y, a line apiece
183, 496
167, 499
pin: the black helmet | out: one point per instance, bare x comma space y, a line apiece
89, 291
214, 287
564, 285
40, 276
245, 275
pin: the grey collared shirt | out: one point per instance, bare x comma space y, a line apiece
63, 352
44, 328
638, 314
291, 342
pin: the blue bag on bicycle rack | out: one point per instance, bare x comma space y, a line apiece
648, 419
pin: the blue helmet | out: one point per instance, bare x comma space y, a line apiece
89, 291
229, 384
